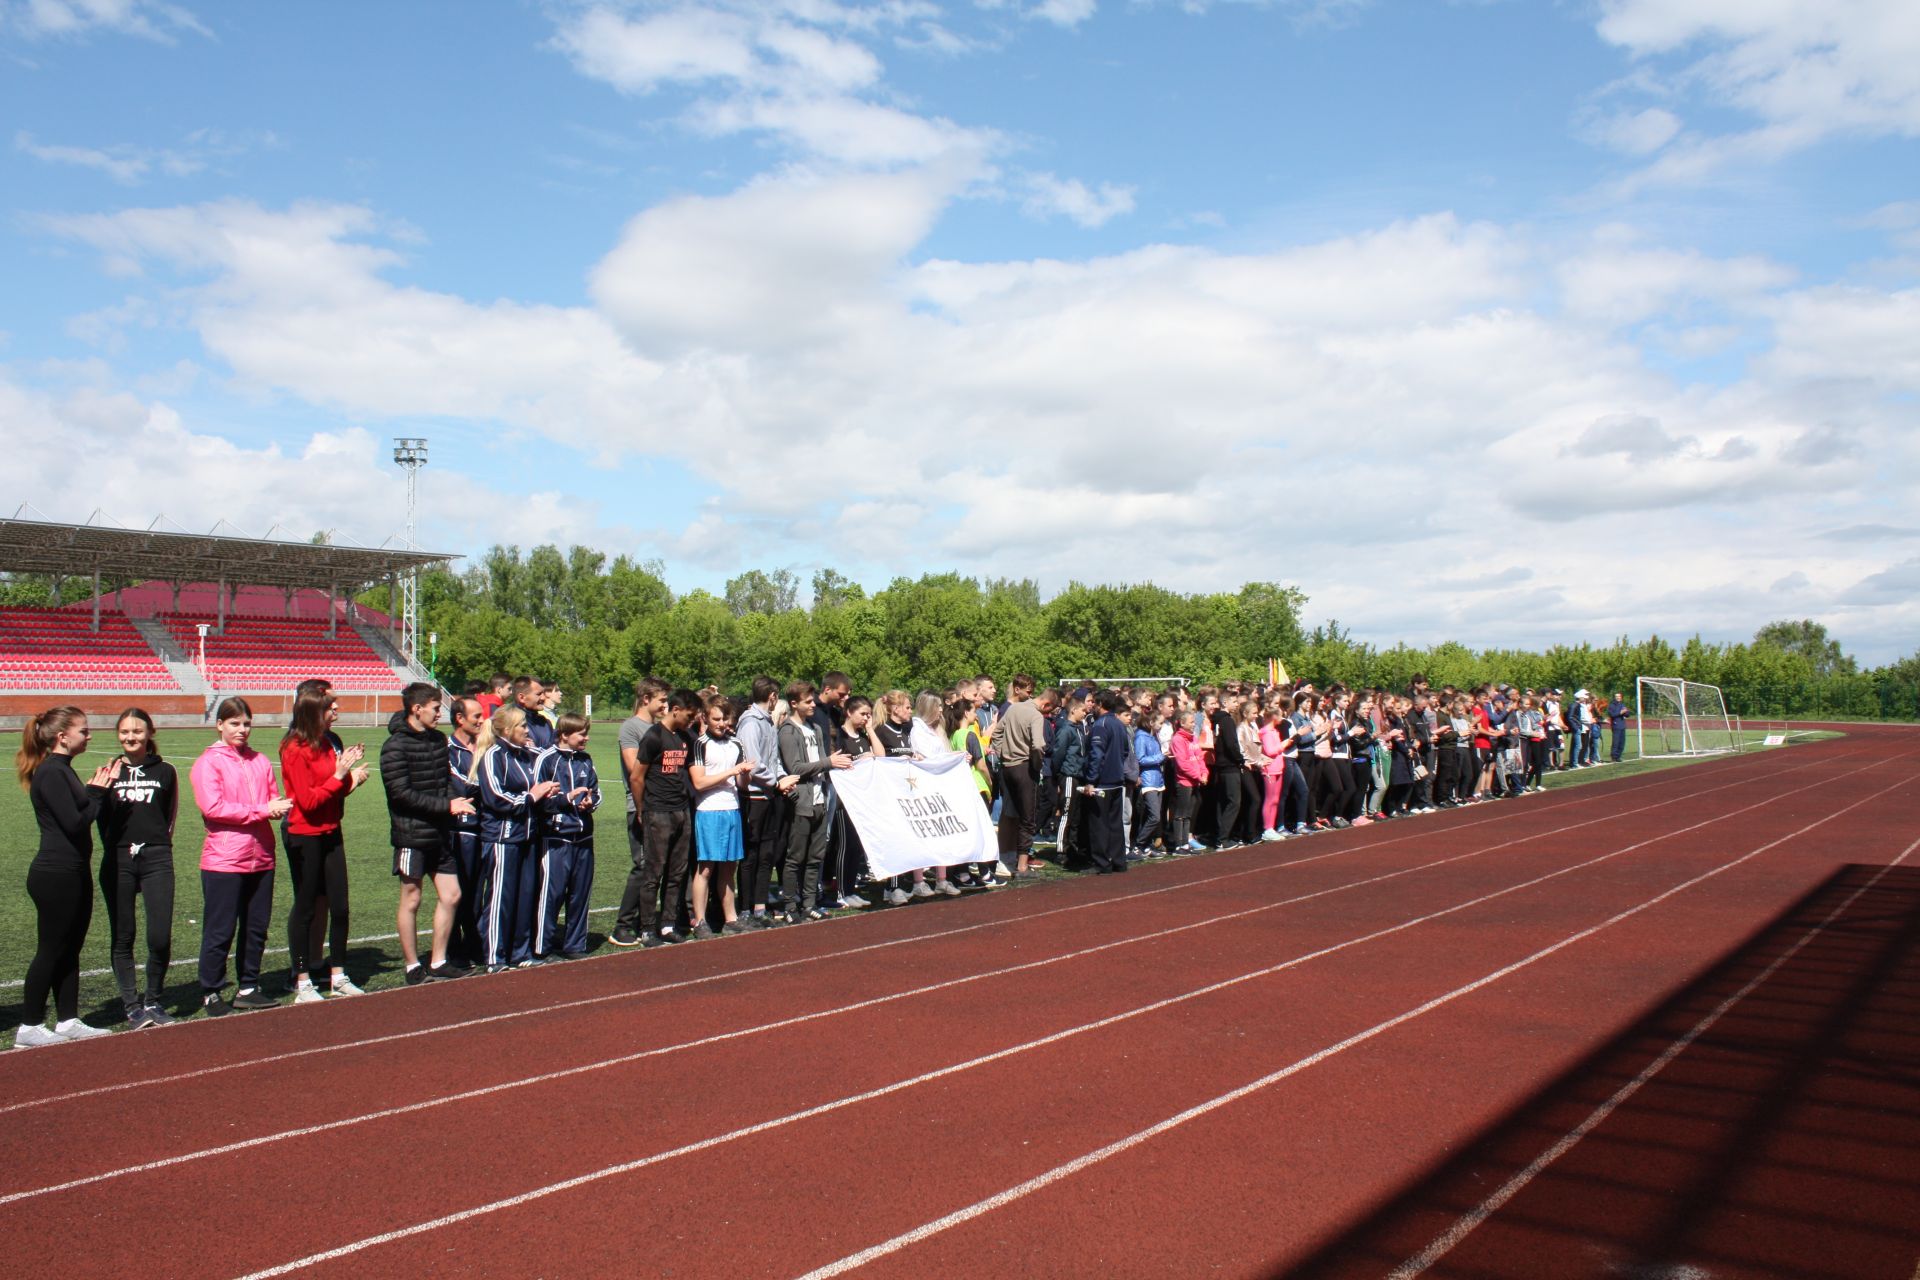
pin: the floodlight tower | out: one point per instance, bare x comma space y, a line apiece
410, 452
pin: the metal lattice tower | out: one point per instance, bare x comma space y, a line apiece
410, 452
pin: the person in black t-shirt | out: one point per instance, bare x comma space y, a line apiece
663, 809
136, 847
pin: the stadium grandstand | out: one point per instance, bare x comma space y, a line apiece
211, 615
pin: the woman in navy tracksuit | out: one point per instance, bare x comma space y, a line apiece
509, 803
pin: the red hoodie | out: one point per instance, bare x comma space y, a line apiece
318, 797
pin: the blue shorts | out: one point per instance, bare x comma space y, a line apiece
717, 835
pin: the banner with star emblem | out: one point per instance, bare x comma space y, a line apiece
916, 813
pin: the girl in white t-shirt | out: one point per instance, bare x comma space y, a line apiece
717, 774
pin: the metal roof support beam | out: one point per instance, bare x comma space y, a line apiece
96, 599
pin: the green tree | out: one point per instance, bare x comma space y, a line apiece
1810, 640
757, 591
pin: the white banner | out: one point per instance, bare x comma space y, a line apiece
916, 813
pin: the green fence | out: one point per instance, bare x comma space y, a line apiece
1850, 697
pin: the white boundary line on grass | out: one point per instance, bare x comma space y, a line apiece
545, 1077
1447, 1240
838, 1104
486, 1019
1071, 1167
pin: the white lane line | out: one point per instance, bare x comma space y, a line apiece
1067, 1170
344, 1122
417, 1032
881, 1091
1448, 1239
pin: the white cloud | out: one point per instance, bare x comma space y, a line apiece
128, 164
1802, 70
1064, 13
147, 19
1618, 280
1635, 133
1149, 414
1048, 196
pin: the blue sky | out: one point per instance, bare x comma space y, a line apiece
1513, 323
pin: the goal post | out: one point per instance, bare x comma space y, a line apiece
1674, 717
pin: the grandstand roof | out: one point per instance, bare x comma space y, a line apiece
42, 546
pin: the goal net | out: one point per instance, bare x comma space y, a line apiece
1682, 718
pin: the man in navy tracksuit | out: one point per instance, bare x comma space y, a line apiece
566, 841
1107, 751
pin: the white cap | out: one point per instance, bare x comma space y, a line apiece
1583, 694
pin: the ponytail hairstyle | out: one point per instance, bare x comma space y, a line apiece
135, 713
37, 739
490, 734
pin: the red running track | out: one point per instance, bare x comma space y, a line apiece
1633, 1028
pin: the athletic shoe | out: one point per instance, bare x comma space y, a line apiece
1341, 824
496, 968
158, 1017
898, 897
854, 902
702, 931
923, 890
307, 993
343, 986
652, 940
672, 937
138, 1019
213, 1005
36, 1038
74, 1029
1270, 835
253, 998
818, 913
624, 937
415, 975
1194, 846
1363, 820
737, 925
946, 888
445, 972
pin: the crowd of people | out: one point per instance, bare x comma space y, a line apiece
732, 820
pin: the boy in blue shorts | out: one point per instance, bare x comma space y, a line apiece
566, 845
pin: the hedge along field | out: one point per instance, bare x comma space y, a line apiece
374, 960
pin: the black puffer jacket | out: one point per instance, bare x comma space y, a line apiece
413, 766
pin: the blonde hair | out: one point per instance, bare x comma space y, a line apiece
38, 737
490, 734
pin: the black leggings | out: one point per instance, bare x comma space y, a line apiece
1536, 755
1179, 816
63, 900
1333, 788
150, 877
764, 850
318, 866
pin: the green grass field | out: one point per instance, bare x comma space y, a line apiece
374, 956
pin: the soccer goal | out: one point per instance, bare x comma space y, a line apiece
1682, 718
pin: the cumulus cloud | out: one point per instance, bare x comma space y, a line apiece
1140, 415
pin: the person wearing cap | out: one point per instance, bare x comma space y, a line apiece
1581, 724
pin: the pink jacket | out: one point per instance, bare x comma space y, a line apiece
1273, 742
1189, 765
233, 790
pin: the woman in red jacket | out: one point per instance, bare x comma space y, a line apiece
318, 775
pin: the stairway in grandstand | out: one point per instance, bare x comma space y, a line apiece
405, 672
178, 664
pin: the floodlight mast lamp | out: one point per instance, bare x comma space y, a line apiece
411, 453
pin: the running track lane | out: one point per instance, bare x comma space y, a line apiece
172, 1127
787, 1163
1517, 809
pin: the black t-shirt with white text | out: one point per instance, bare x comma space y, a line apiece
666, 752
140, 805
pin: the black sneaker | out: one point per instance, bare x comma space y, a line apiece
254, 998
416, 974
672, 937
652, 940
438, 973
158, 1017
625, 937
739, 924
213, 1005
702, 931
817, 914
140, 1018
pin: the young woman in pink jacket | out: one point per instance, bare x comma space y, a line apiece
234, 786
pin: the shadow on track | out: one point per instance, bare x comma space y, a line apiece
1780, 1143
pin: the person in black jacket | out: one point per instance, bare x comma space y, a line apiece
59, 880
422, 807
136, 860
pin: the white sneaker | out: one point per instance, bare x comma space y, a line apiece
947, 888
923, 890
854, 902
343, 986
307, 993
36, 1037
74, 1029
898, 897
1270, 835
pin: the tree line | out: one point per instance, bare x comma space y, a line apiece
596, 624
